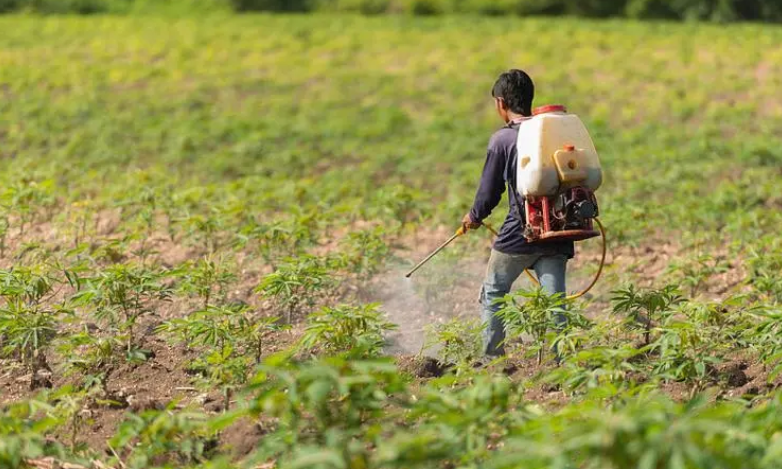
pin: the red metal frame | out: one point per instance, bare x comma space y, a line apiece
546, 215
538, 211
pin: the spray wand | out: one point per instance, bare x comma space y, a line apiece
428, 258
461, 232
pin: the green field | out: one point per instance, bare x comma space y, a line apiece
183, 199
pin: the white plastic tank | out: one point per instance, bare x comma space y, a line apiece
555, 152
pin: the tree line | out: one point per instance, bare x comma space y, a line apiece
686, 10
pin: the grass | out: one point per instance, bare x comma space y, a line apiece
243, 165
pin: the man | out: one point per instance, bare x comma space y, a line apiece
513, 94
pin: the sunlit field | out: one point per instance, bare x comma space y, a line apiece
203, 220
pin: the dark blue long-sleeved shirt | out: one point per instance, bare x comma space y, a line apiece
499, 171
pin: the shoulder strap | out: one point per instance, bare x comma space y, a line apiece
517, 202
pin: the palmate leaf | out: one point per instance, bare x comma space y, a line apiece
25, 287
210, 333
109, 314
27, 331
23, 429
345, 327
775, 359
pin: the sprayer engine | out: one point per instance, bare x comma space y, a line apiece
567, 216
558, 173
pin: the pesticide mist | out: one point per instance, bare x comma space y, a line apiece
444, 289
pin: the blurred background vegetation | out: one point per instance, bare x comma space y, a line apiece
688, 10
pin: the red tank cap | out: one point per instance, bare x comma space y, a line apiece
549, 108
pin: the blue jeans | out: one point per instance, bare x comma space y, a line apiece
502, 271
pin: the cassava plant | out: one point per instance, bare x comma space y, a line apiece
24, 426
213, 327
208, 279
79, 216
644, 308
206, 229
120, 295
365, 250
345, 327
27, 335
141, 209
400, 203
329, 403
765, 273
27, 324
221, 327
765, 337
5, 227
295, 283
170, 437
171, 207
91, 355
25, 287
26, 199
70, 409
694, 272
539, 314
226, 368
455, 341
218, 331
684, 352
253, 332
607, 369
465, 423
279, 239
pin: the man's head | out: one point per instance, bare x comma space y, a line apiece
513, 94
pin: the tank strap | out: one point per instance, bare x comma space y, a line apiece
516, 204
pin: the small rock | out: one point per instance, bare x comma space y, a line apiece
214, 406
752, 391
734, 375
510, 368
552, 387
115, 400
428, 367
41, 379
146, 404
202, 399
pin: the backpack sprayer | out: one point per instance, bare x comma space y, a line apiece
557, 174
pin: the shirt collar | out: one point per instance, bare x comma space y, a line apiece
517, 121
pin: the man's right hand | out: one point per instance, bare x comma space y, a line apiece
468, 224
